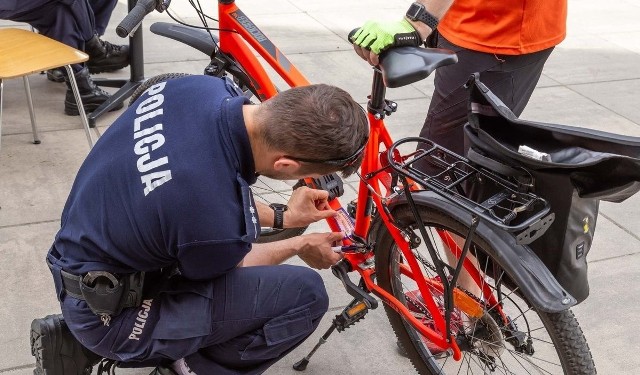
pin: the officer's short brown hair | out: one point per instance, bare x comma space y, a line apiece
313, 124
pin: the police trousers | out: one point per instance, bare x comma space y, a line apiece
239, 323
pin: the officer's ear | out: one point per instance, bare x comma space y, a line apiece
286, 165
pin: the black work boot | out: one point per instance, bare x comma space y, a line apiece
104, 56
57, 352
56, 75
92, 95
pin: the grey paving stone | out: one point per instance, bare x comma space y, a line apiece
27, 286
36, 179
619, 97
564, 105
607, 317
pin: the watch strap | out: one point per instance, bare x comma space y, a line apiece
423, 16
278, 216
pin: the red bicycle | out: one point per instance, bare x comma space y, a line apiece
463, 293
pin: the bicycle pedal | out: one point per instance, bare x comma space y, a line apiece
352, 313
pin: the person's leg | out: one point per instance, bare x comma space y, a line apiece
239, 323
267, 312
511, 78
105, 56
102, 10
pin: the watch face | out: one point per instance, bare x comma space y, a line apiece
278, 206
414, 11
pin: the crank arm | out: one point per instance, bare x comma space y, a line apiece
340, 270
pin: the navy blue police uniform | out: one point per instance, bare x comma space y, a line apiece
168, 185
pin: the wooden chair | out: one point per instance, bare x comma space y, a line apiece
24, 52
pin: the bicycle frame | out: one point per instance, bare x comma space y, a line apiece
237, 33
235, 29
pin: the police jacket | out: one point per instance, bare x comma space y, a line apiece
167, 184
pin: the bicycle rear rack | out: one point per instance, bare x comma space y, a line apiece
502, 202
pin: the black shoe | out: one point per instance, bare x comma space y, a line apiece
104, 56
57, 352
92, 96
56, 75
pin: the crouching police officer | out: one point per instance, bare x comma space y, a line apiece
154, 264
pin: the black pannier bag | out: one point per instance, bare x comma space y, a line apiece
578, 168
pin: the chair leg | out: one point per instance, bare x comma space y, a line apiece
76, 94
27, 89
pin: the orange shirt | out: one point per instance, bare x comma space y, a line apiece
508, 27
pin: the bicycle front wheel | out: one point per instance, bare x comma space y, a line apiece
526, 342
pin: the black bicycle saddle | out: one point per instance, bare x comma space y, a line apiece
405, 65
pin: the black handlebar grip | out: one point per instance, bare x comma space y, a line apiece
351, 33
131, 21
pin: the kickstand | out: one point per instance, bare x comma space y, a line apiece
352, 313
301, 365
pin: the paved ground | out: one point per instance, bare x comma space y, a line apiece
591, 80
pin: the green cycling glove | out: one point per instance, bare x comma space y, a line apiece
379, 36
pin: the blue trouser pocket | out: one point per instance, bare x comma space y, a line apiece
185, 311
278, 335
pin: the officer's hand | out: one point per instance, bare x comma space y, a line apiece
375, 37
316, 249
307, 206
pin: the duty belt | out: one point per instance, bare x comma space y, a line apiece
105, 293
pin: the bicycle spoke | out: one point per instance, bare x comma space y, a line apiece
517, 356
510, 337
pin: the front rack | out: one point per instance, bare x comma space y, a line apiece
494, 198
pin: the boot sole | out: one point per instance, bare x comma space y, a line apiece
41, 339
71, 109
106, 68
53, 79
53, 355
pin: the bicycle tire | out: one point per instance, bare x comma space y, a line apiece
561, 330
152, 81
265, 190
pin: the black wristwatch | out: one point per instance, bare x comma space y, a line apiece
417, 12
278, 214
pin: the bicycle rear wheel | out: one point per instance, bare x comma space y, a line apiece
265, 190
531, 342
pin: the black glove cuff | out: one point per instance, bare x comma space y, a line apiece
407, 39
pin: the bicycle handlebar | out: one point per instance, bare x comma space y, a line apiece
133, 19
